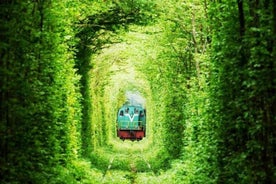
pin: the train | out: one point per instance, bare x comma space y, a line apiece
131, 122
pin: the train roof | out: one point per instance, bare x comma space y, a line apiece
139, 106
132, 106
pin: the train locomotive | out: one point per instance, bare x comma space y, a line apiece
131, 122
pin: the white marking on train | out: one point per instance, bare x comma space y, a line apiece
132, 118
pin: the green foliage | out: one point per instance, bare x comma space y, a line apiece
243, 95
40, 110
205, 68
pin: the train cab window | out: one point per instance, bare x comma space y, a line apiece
141, 113
127, 109
121, 113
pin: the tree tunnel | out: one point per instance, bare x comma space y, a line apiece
204, 71
118, 76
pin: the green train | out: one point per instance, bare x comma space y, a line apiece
131, 122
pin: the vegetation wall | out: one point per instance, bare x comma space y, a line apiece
204, 70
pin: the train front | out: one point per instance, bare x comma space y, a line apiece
131, 122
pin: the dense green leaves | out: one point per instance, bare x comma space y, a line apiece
39, 92
206, 70
243, 55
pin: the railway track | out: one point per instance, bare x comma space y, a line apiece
131, 175
108, 168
